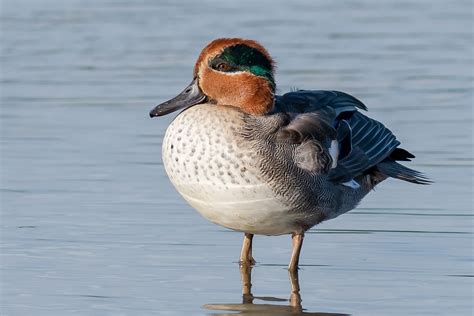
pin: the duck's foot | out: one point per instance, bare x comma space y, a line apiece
247, 262
246, 257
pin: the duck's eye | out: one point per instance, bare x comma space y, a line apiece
223, 67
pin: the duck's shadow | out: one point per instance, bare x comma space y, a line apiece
249, 308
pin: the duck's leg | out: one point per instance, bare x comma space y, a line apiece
297, 239
246, 252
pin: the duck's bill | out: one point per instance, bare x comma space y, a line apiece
190, 96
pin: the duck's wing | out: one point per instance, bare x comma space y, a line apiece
314, 113
371, 143
354, 141
317, 122
305, 101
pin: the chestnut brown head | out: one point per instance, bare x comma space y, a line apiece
229, 71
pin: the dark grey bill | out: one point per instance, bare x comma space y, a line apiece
190, 96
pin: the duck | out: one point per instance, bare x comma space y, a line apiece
265, 164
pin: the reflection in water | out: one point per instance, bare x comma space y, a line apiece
247, 307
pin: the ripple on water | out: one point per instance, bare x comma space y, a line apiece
92, 225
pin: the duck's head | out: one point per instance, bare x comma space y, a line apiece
229, 71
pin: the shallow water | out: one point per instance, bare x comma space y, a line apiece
92, 226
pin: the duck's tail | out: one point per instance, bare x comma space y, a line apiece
393, 169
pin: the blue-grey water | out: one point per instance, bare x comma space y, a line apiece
90, 224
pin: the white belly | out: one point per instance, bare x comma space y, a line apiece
217, 172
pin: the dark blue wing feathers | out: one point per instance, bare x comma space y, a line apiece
364, 142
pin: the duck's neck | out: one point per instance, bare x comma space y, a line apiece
256, 99
258, 104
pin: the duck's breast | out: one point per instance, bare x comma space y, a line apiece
217, 171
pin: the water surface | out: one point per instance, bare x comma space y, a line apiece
92, 226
